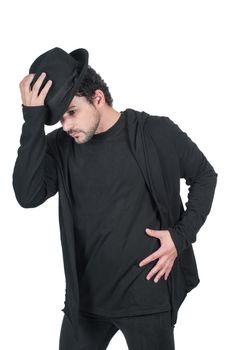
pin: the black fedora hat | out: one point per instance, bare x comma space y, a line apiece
66, 70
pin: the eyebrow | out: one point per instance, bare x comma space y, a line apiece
70, 107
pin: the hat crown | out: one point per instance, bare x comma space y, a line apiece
57, 64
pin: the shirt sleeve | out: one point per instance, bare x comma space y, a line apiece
35, 173
200, 175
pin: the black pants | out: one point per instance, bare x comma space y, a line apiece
143, 332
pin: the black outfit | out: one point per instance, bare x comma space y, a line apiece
144, 332
112, 208
164, 154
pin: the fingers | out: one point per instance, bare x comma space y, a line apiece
167, 272
30, 96
25, 83
152, 257
25, 91
45, 89
37, 85
161, 268
159, 265
23, 86
159, 275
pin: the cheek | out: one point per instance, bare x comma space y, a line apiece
86, 122
80, 123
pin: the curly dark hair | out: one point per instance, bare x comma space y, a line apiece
92, 81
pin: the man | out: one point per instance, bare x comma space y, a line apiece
111, 170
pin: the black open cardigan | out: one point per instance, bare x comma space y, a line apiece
164, 153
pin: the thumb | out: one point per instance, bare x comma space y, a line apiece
154, 233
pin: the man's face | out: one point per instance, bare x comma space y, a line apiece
81, 119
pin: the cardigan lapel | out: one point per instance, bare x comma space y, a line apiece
145, 153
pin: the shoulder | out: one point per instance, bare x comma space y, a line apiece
160, 124
56, 134
56, 138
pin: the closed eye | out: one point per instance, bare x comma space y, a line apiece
71, 112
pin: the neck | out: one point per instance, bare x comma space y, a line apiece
108, 118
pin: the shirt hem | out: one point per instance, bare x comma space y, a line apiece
102, 312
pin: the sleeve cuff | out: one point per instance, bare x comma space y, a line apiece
38, 113
180, 242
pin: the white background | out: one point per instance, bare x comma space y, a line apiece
168, 58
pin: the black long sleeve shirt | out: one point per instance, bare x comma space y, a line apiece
112, 208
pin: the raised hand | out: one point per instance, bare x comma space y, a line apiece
30, 96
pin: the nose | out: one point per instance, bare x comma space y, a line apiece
66, 124
67, 127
